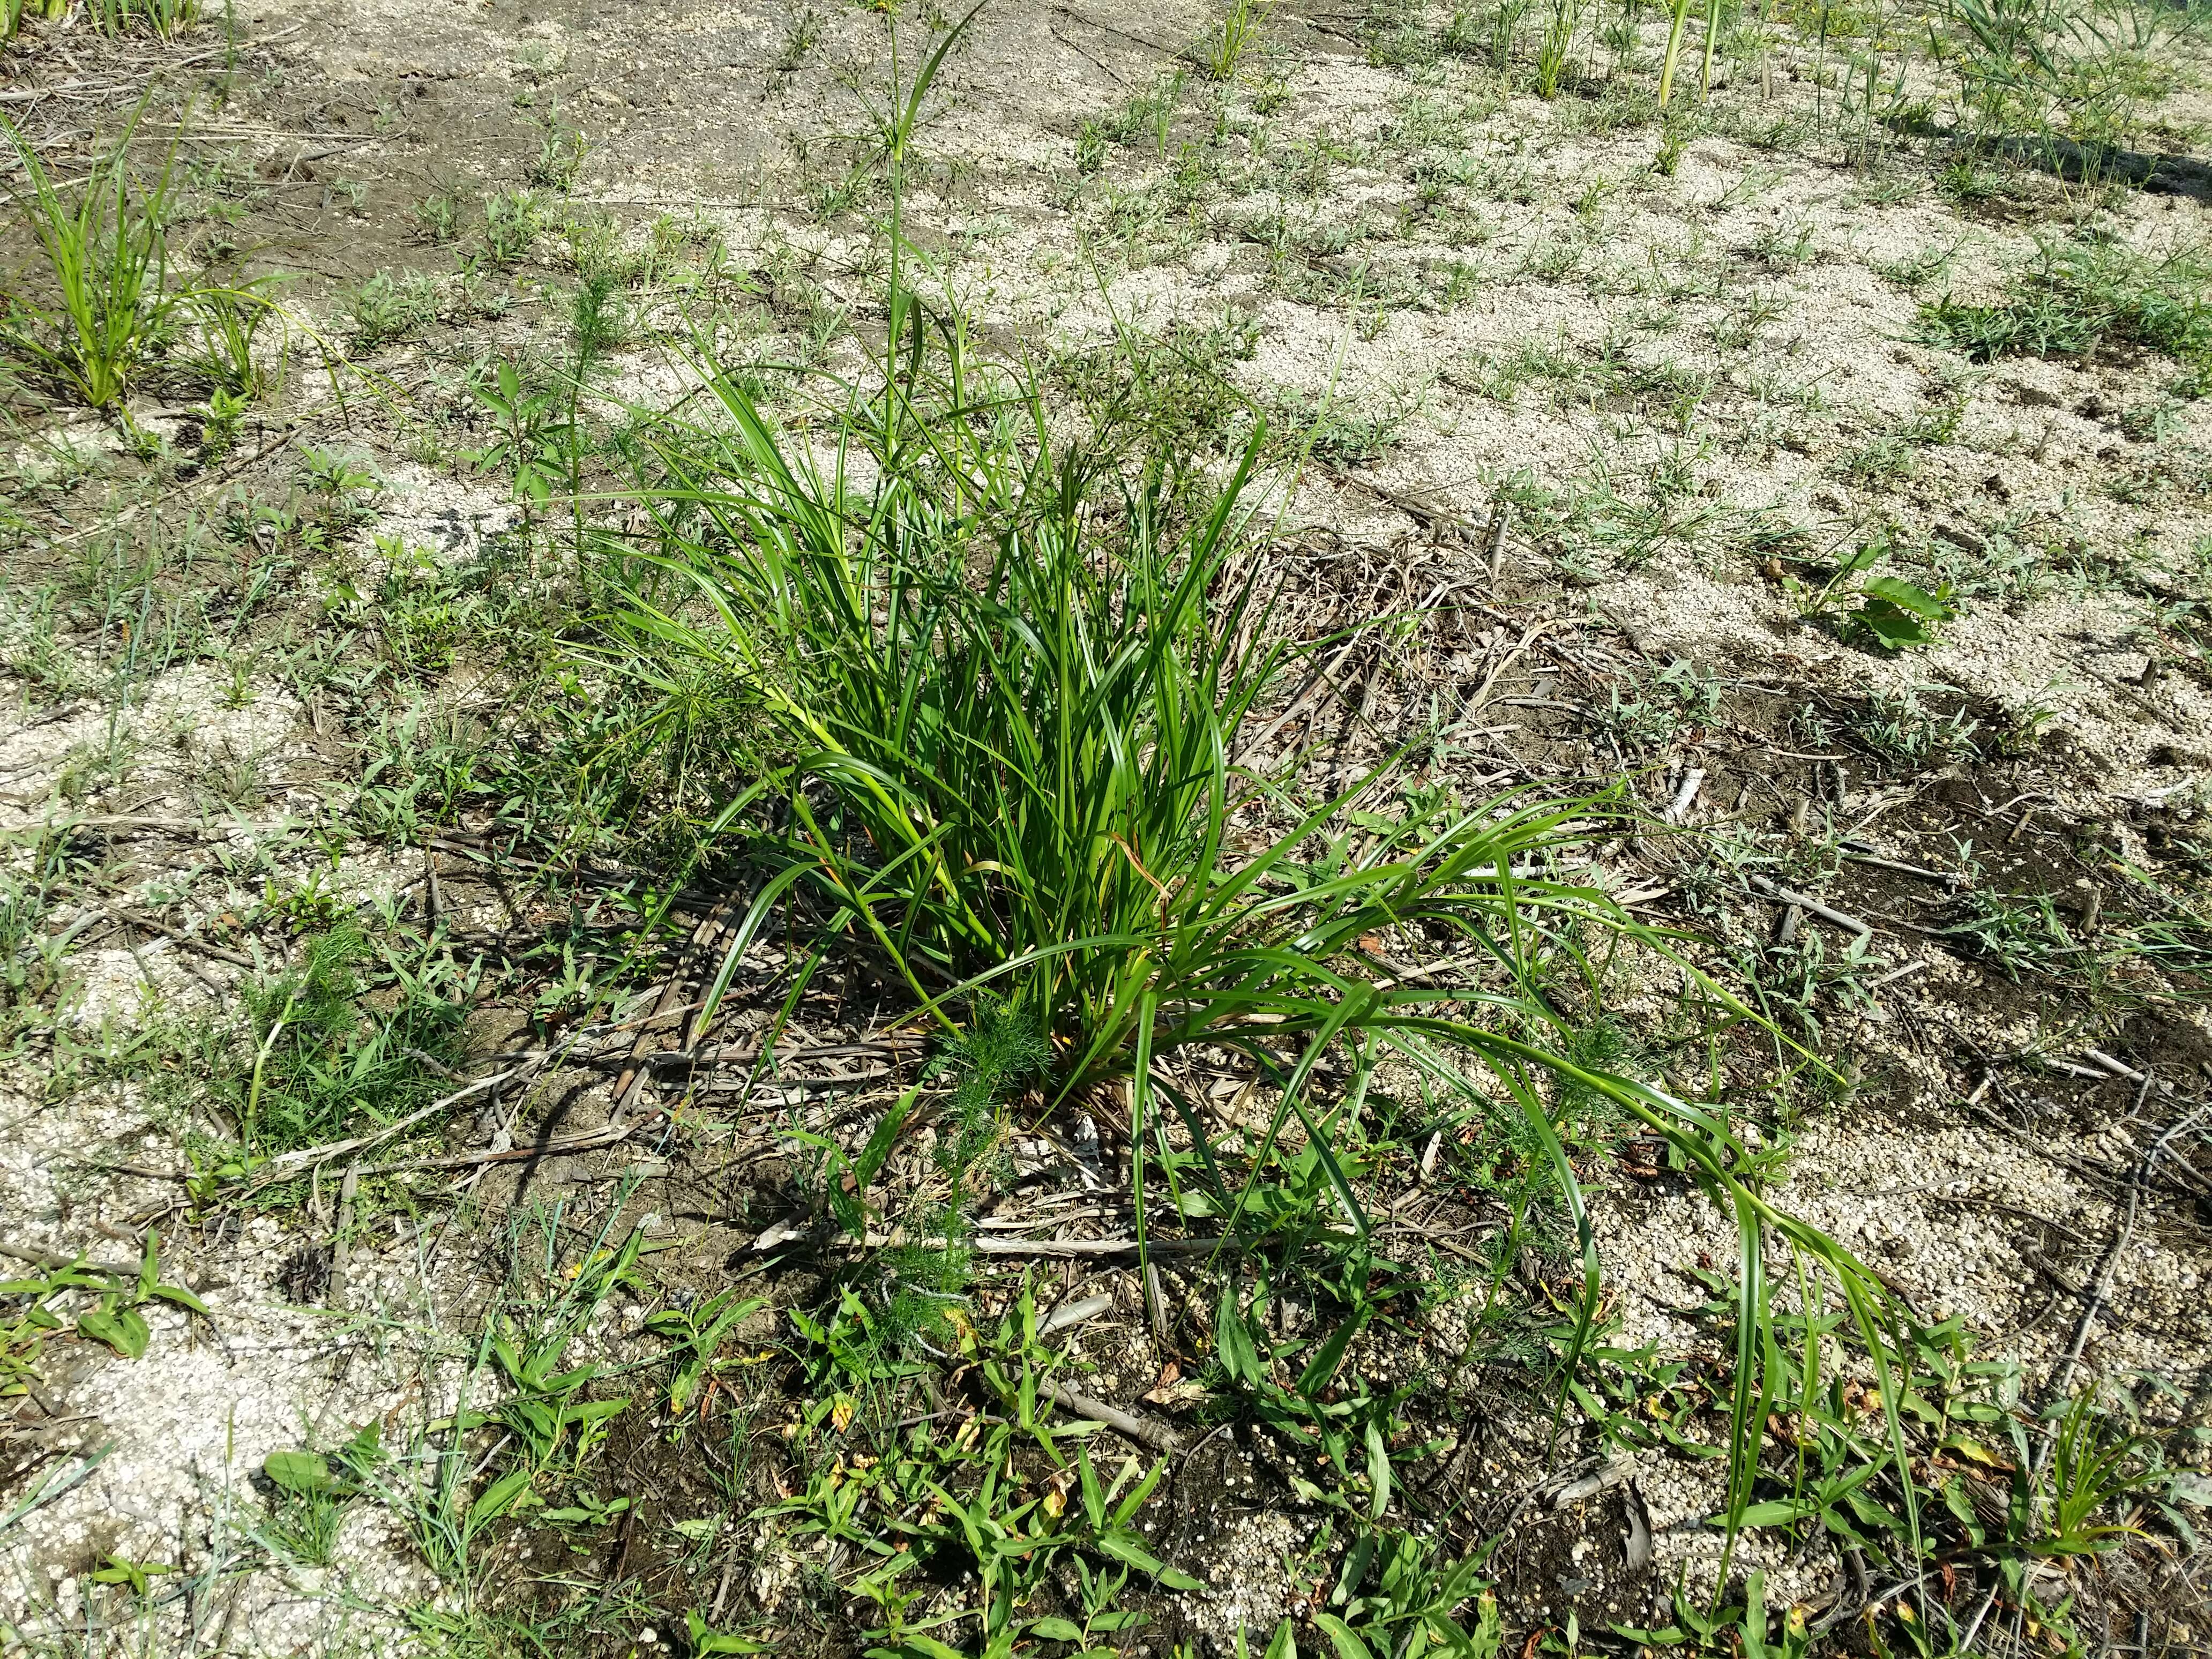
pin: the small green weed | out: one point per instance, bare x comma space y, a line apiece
310, 1494
1146, 114
535, 434
562, 149
2093, 1464
954, 1534
446, 1487
2080, 295
355, 1036
1220, 53
2015, 934
228, 319
386, 308
106, 1310
106, 255
440, 212
1680, 696
698, 1332
1740, 1628
1896, 729
1339, 432
514, 221
32, 950
1886, 614
800, 37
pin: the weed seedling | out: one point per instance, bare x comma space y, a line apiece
512, 222
106, 1305
562, 148
439, 213
322, 1058
1219, 54
106, 255
311, 1494
1886, 613
386, 308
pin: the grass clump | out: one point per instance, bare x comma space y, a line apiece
1220, 52
165, 19
108, 317
354, 1035
386, 308
107, 259
2085, 295
993, 679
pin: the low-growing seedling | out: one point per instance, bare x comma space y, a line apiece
1739, 1628
514, 221
2093, 1463
320, 1055
935, 1512
311, 1494
1897, 728
1680, 696
1000, 1052
2080, 293
228, 319
535, 434
1887, 614
342, 488
32, 950
1338, 433
2015, 934
1916, 271
106, 1310
698, 1332
439, 213
386, 308
1219, 53
562, 148
800, 37
448, 1488
1795, 980
544, 1409
1395, 1594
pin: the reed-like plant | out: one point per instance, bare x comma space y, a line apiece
108, 258
1675, 30
166, 19
1221, 52
999, 683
